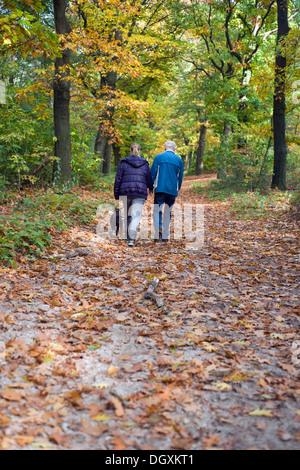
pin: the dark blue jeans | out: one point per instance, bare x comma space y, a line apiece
163, 204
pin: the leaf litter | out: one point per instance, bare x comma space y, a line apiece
88, 361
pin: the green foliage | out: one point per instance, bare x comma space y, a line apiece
25, 140
23, 30
254, 205
214, 190
177, 64
28, 228
3, 190
247, 204
23, 233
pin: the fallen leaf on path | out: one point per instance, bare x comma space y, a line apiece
119, 443
59, 438
121, 317
100, 386
74, 397
24, 440
119, 411
101, 417
42, 445
258, 412
222, 385
11, 395
163, 277
112, 371
211, 442
4, 420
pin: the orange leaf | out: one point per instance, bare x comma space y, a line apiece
24, 440
11, 395
119, 411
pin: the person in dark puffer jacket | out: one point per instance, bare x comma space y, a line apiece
133, 179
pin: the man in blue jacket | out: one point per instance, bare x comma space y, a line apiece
167, 176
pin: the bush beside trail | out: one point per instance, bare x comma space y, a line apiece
27, 224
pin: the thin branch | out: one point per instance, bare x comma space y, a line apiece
228, 39
201, 69
273, 31
149, 294
264, 18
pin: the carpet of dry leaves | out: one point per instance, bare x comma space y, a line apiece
87, 362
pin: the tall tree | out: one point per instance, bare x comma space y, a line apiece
103, 56
61, 89
121, 51
201, 148
279, 105
226, 39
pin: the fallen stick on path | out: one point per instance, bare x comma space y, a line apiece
149, 294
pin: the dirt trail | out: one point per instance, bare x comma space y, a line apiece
87, 363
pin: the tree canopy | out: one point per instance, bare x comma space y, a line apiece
202, 73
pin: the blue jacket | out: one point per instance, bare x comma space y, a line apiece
133, 178
167, 173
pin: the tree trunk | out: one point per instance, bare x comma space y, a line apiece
190, 159
264, 163
106, 169
103, 145
103, 151
61, 103
201, 149
117, 154
99, 148
223, 153
279, 106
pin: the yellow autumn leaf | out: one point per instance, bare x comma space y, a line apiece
258, 412
101, 417
209, 347
222, 385
96, 385
42, 445
49, 356
276, 336
112, 371
238, 376
77, 315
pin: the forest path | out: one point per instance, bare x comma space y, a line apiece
87, 363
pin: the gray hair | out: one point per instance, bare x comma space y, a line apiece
170, 145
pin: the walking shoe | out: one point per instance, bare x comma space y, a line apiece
131, 243
158, 236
